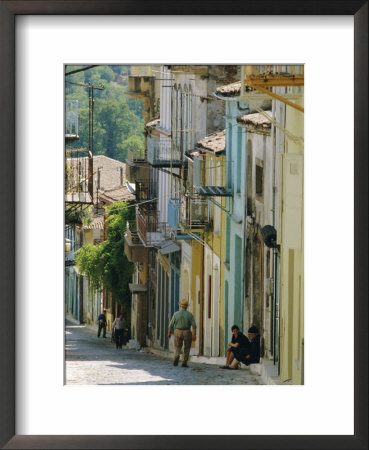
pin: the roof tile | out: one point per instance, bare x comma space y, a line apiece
215, 142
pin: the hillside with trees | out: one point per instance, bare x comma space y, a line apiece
118, 121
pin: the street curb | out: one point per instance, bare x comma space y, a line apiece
255, 369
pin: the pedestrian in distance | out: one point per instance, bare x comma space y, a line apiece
182, 321
119, 325
239, 341
101, 320
251, 353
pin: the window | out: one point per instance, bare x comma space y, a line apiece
249, 177
185, 117
179, 117
229, 156
239, 159
228, 239
98, 178
209, 297
189, 119
259, 178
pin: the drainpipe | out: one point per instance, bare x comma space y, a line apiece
244, 287
274, 250
202, 284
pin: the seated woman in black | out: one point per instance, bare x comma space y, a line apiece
238, 343
251, 353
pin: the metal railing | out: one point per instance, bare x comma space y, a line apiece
71, 117
145, 190
149, 229
163, 152
194, 211
136, 155
131, 232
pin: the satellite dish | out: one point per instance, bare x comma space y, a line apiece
269, 234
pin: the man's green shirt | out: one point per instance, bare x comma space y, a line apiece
182, 320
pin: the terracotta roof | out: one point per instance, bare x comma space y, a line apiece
116, 194
232, 89
96, 224
109, 169
215, 142
256, 120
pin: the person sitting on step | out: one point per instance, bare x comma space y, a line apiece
251, 353
239, 341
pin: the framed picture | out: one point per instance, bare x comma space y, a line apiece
150, 415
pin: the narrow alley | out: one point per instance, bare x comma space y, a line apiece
92, 360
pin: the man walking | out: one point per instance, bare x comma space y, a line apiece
182, 321
119, 325
101, 320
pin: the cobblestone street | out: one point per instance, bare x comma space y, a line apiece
92, 360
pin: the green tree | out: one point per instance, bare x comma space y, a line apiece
134, 143
117, 118
106, 265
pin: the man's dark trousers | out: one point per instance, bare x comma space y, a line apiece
102, 326
119, 338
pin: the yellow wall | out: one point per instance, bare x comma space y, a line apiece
196, 276
216, 241
88, 236
291, 236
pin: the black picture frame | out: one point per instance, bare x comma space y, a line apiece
8, 10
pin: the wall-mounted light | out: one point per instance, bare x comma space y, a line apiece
269, 234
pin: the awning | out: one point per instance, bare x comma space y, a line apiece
137, 288
213, 191
168, 246
131, 187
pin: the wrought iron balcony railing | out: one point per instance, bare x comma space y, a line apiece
194, 211
188, 212
136, 165
200, 186
136, 155
150, 230
131, 233
133, 246
71, 119
145, 190
162, 152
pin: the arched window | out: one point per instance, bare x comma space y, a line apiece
174, 112
179, 117
185, 118
189, 119
249, 178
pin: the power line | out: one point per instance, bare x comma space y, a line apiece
81, 70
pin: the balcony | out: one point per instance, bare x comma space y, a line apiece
189, 214
150, 230
162, 152
141, 83
71, 120
78, 170
137, 167
133, 248
194, 212
145, 190
201, 187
